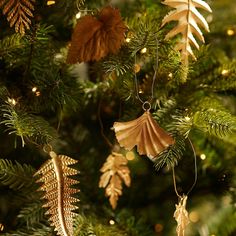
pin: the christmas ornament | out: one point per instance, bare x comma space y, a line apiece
188, 18
55, 175
181, 216
115, 170
95, 37
18, 13
143, 132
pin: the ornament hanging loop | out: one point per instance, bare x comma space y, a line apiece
146, 106
47, 148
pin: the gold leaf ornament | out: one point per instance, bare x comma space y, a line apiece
18, 13
145, 133
55, 175
181, 216
115, 170
188, 18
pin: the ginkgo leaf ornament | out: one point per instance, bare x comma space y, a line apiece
55, 175
188, 18
143, 132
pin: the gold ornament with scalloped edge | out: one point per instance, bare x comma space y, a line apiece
114, 170
55, 175
188, 18
181, 216
144, 133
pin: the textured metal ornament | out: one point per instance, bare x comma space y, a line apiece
143, 132
188, 18
57, 187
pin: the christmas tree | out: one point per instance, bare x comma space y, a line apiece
118, 118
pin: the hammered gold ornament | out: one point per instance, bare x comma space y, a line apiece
188, 18
145, 133
55, 175
115, 170
181, 216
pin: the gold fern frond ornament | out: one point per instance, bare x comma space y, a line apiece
18, 13
115, 170
188, 18
145, 133
55, 175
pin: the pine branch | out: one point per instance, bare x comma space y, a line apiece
27, 126
34, 230
171, 155
18, 13
31, 214
215, 122
16, 176
9, 44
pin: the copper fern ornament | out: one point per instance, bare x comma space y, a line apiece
18, 13
115, 170
55, 175
188, 18
143, 132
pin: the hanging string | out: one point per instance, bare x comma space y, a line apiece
195, 172
153, 79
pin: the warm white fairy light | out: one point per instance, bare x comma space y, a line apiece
34, 89
194, 216
224, 72
49, 3
144, 50
230, 32
130, 156
203, 156
128, 40
12, 101
112, 222
170, 75
78, 15
187, 118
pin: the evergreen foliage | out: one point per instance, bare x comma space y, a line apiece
44, 101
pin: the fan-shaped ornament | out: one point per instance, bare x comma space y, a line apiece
145, 133
55, 175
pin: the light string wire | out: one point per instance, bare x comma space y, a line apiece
153, 79
195, 172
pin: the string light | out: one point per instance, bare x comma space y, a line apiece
194, 216
49, 3
225, 72
130, 156
170, 75
144, 50
128, 40
187, 118
12, 101
203, 156
1, 227
137, 68
78, 15
230, 32
36, 91
112, 222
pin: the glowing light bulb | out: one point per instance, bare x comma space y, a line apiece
130, 156
34, 89
112, 222
224, 72
49, 3
1, 227
128, 40
144, 50
12, 101
78, 15
203, 156
230, 32
187, 118
170, 75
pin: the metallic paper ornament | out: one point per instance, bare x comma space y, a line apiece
143, 132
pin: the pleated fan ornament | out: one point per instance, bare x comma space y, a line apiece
57, 185
143, 132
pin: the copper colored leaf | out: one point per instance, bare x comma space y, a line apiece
95, 37
144, 133
114, 171
181, 216
58, 192
188, 18
18, 13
